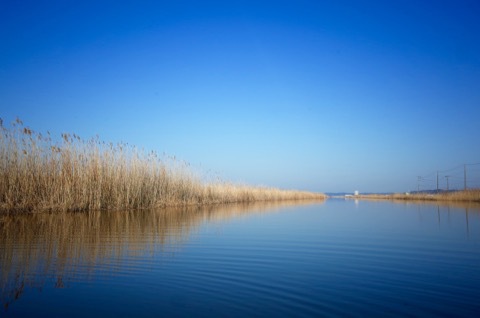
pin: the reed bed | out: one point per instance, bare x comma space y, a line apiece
38, 173
472, 195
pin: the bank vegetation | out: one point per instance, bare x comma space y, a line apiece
38, 173
471, 195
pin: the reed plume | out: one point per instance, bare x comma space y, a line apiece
38, 173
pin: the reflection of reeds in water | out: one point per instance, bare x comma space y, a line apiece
474, 206
37, 174
471, 205
69, 247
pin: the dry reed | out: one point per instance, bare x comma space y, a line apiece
472, 195
40, 174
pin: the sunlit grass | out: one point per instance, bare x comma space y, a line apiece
38, 173
472, 195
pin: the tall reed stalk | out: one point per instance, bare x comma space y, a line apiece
471, 195
72, 174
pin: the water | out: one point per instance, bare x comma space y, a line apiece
338, 258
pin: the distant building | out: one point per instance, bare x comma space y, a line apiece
356, 192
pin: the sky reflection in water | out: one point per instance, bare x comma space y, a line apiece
337, 258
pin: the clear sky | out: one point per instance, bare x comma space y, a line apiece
316, 95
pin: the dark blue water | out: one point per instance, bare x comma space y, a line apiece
338, 258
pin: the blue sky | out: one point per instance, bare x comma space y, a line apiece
316, 95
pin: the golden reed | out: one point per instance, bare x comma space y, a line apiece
39, 174
472, 195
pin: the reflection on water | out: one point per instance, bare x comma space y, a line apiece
336, 258
442, 208
59, 248
448, 204
444, 213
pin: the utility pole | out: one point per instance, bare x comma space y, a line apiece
464, 177
418, 183
437, 181
447, 181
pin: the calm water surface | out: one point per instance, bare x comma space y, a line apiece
338, 258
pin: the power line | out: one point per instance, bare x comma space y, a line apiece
470, 176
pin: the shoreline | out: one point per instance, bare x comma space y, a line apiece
472, 195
